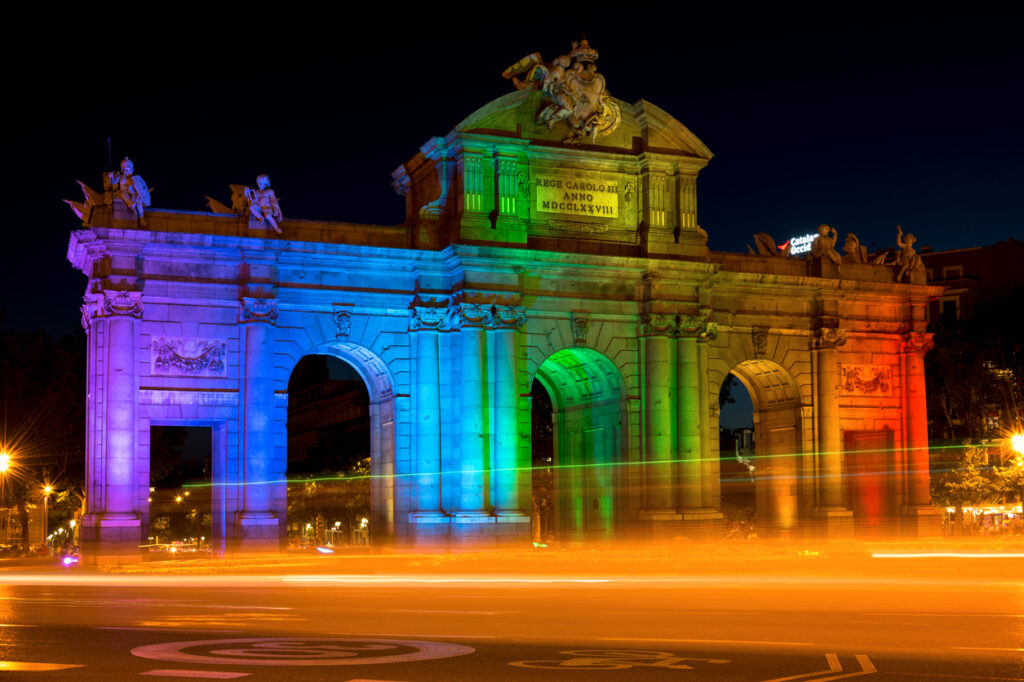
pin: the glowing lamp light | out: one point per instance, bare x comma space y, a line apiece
69, 560
325, 550
1017, 443
47, 489
178, 499
5, 462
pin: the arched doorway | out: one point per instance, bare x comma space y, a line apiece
773, 448
340, 449
582, 392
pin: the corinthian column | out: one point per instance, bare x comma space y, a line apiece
658, 377
426, 322
915, 345
258, 522
688, 413
508, 476
830, 454
112, 523
475, 432
122, 310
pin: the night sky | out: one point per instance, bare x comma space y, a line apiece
859, 119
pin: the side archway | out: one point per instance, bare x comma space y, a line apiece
778, 467
587, 402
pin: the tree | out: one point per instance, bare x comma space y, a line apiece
968, 480
42, 398
975, 373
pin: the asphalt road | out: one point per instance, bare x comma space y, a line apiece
920, 619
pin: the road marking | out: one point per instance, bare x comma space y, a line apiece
834, 666
987, 648
12, 666
387, 579
206, 674
616, 659
406, 634
140, 629
281, 651
467, 613
949, 615
702, 641
947, 555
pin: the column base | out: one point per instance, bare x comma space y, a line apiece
110, 539
429, 529
472, 529
702, 524
834, 522
662, 524
922, 521
258, 532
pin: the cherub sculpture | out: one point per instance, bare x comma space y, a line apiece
907, 258
853, 252
130, 189
824, 245
263, 204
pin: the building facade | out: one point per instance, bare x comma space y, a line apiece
543, 241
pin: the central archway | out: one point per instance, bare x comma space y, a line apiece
354, 395
587, 407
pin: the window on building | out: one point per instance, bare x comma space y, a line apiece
953, 272
949, 308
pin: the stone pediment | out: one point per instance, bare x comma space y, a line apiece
644, 126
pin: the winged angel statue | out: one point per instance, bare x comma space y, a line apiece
575, 88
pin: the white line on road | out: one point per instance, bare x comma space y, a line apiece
206, 674
834, 666
112, 627
470, 613
405, 634
394, 579
947, 555
702, 641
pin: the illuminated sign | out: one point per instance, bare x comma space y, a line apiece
801, 244
587, 196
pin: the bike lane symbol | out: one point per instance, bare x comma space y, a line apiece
617, 659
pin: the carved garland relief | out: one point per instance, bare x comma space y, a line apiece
188, 357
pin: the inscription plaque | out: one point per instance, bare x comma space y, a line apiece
592, 196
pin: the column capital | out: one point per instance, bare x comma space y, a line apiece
472, 314
509, 316
431, 318
829, 338
658, 324
254, 309
917, 342
697, 326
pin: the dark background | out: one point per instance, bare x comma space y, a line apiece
857, 117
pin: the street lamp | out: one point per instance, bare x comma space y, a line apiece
47, 489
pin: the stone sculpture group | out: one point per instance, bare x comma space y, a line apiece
906, 262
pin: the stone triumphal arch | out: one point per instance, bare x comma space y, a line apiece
551, 236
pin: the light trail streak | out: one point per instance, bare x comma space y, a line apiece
947, 555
